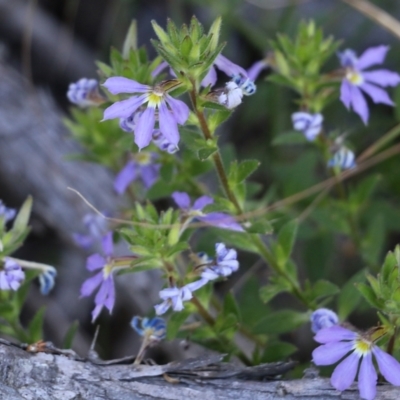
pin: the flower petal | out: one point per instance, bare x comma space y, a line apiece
388, 365
90, 285
228, 67
255, 69
367, 378
222, 220
124, 108
382, 77
359, 103
144, 128
377, 94
168, 124
150, 174
119, 84
157, 70
211, 78
201, 202
182, 200
372, 56
96, 311
345, 373
124, 178
110, 299
94, 262
163, 307
334, 334
107, 244
331, 353
345, 93
179, 109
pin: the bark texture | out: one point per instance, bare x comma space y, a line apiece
43, 376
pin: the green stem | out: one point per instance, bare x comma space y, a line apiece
264, 251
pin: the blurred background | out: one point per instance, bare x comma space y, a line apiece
47, 44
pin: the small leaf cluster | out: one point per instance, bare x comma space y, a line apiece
298, 64
189, 51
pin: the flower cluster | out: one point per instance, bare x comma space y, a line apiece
162, 108
223, 265
11, 276
338, 343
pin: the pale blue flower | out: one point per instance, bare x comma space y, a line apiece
309, 124
85, 93
11, 276
343, 159
323, 318
153, 328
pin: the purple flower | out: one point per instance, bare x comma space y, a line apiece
217, 219
170, 111
104, 279
6, 213
163, 143
358, 81
143, 166
309, 124
11, 276
343, 159
339, 343
85, 93
224, 264
154, 328
173, 297
96, 226
323, 318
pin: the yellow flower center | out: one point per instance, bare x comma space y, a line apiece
362, 346
107, 269
143, 158
354, 77
155, 97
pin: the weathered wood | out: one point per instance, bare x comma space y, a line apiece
43, 376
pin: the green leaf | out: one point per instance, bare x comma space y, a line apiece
277, 351
22, 219
271, 290
369, 295
323, 288
238, 239
349, 297
206, 152
176, 320
35, 327
245, 169
287, 237
262, 227
281, 322
70, 335
230, 306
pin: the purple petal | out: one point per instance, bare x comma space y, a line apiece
163, 307
228, 67
91, 284
221, 220
124, 108
110, 299
382, 77
201, 202
83, 241
182, 200
119, 84
150, 174
95, 262
345, 93
159, 69
255, 69
389, 366
334, 334
180, 110
359, 103
168, 124
377, 94
107, 244
345, 373
367, 378
372, 56
198, 284
211, 78
169, 293
331, 353
125, 177
96, 311
144, 128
